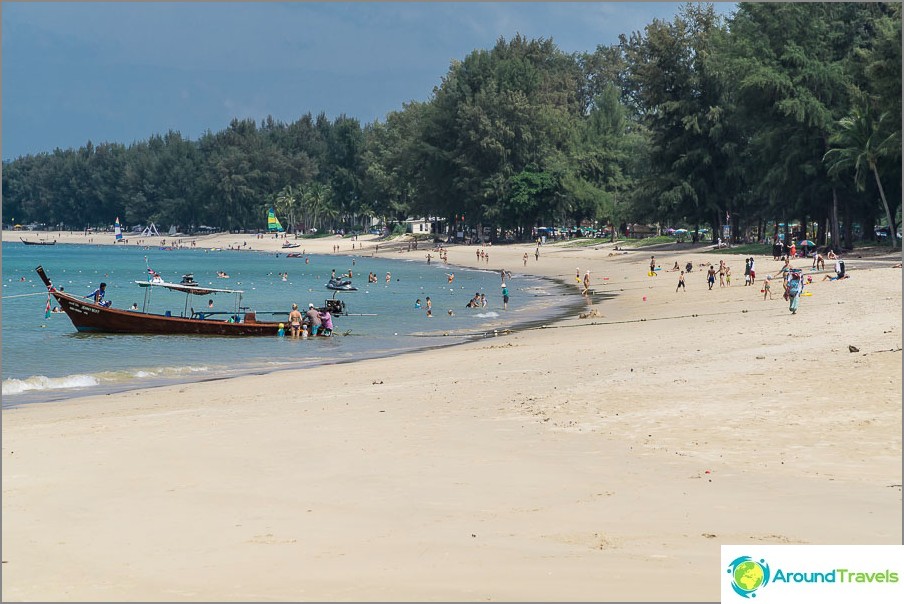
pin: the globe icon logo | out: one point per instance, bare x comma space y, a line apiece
748, 575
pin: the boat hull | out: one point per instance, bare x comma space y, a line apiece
90, 317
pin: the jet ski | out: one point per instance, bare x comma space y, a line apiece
345, 286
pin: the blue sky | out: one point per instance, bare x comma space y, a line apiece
122, 71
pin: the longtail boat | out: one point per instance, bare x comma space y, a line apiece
39, 242
87, 316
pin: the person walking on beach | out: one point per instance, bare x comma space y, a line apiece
746, 271
752, 271
728, 275
505, 297
652, 266
525, 258
711, 276
795, 289
721, 273
681, 283
767, 290
586, 283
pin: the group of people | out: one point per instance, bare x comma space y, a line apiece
478, 301
314, 322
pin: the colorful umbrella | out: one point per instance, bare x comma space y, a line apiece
807, 242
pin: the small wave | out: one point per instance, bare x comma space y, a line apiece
42, 382
487, 315
13, 386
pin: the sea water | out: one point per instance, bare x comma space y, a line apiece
45, 358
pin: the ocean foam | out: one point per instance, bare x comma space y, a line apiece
42, 382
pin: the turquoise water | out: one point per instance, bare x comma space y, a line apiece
45, 359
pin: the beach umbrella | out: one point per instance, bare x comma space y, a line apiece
681, 230
807, 242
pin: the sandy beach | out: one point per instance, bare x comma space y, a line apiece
595, 459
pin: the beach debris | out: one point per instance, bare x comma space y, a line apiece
708, 535
375, 383
591, 314
853, 348
644, 298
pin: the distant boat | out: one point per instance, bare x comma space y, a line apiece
117, 231
87, 316
40, 242
273, 224
286, 244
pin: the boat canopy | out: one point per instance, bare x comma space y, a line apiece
189, 289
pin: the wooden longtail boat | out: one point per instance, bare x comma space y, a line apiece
90, 317
40, 242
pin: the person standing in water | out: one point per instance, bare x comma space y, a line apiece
295, 319
314, 318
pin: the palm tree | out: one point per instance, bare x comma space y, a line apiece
286, 203
315, 199
859, 144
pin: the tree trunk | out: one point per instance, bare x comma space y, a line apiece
892, 231
836, 234
848, 227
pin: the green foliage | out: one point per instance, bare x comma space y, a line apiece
772, 116
648, 241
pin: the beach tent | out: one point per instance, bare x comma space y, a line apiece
150, 231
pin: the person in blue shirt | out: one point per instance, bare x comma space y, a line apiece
795, 290
97, 296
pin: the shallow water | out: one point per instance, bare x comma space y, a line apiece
46, 359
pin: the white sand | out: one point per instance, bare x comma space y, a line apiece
598, 459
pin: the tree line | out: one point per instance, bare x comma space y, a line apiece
781, 113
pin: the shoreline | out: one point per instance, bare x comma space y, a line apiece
456, 337
601, 459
